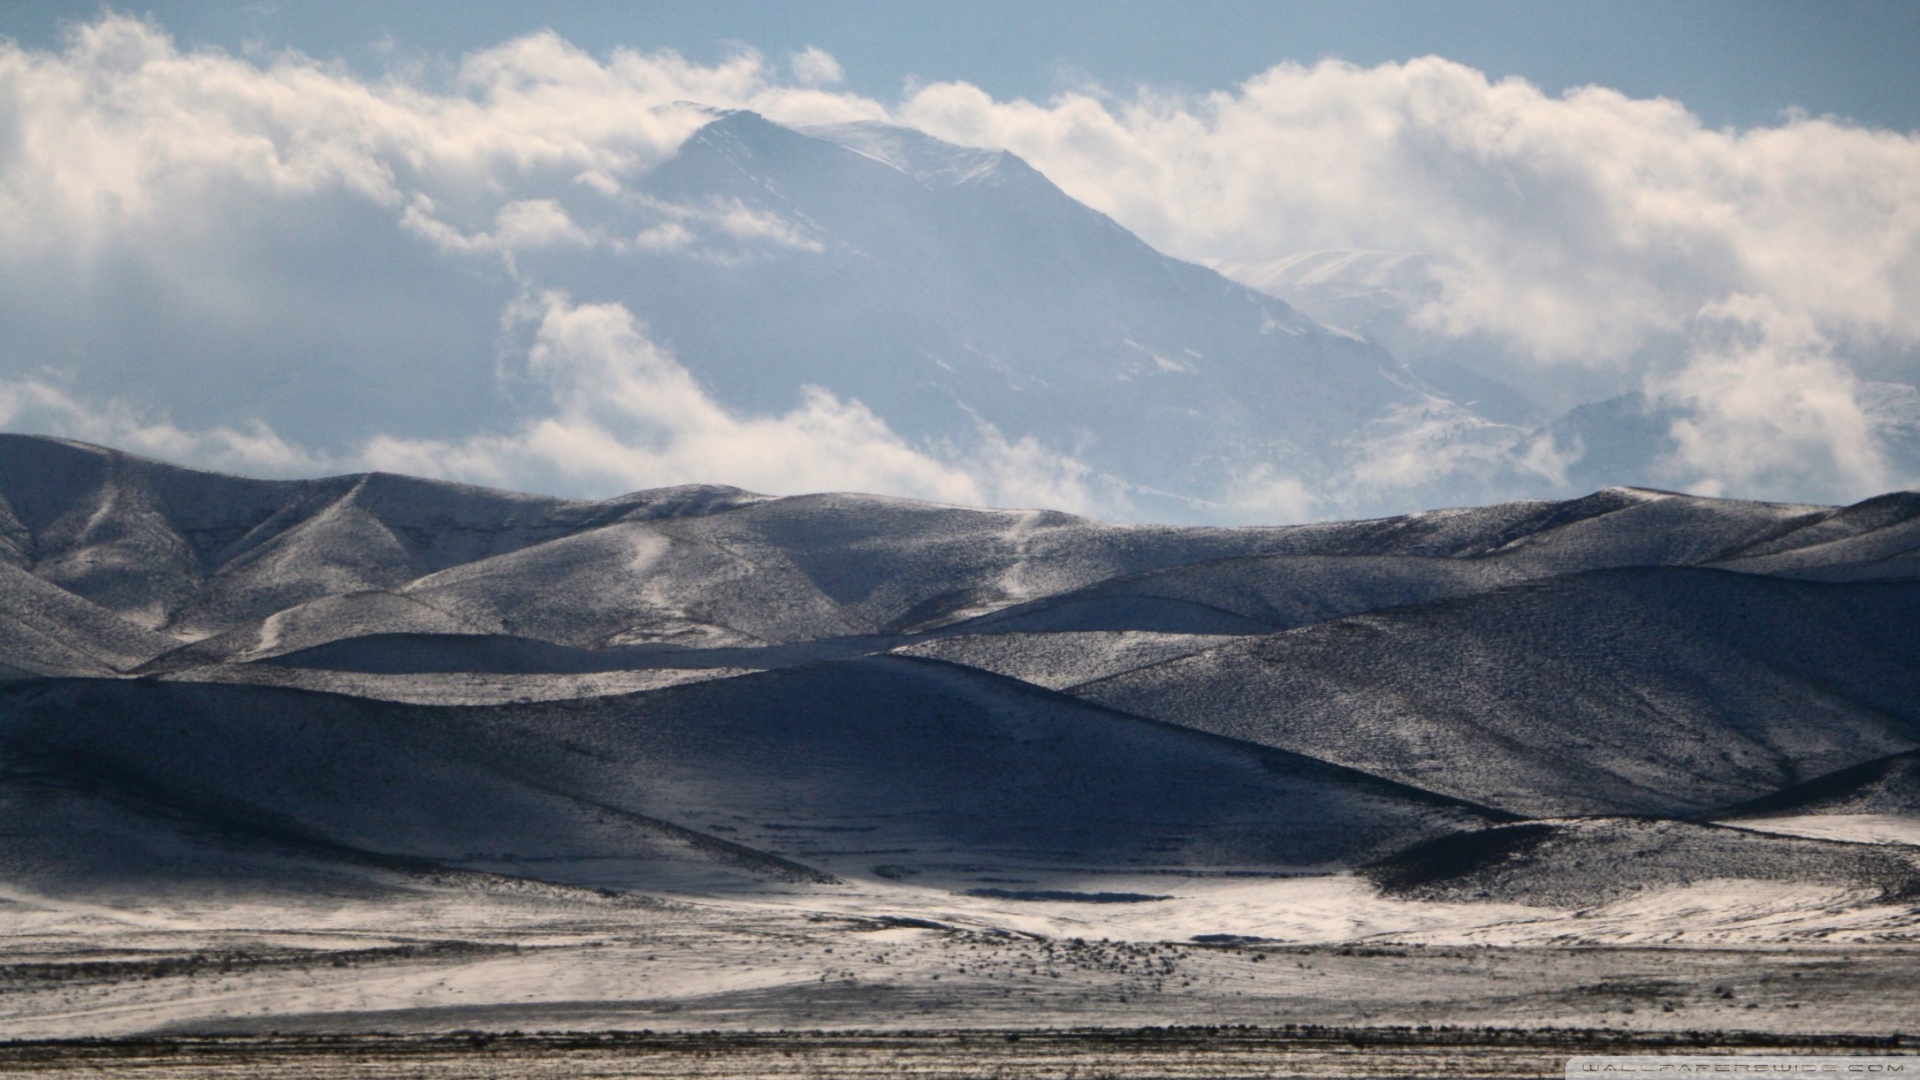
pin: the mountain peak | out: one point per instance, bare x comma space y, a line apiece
929, 160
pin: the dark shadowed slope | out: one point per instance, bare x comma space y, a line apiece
840, 767
318, 776
938, 765
409, 654
77, 830
1888, 785
1575, 864
71, 835
1652, 691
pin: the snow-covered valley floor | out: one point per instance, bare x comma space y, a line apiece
1788, 961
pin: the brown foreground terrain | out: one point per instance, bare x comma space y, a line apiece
1116, 1053
792, 994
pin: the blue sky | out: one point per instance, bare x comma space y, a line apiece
1738, 62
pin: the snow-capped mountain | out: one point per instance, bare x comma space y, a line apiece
953, 290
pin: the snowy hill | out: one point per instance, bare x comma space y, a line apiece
375, 685
1645, 690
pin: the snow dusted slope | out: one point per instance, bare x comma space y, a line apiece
46, 630
247, 570
1652, 690
822, 566
1640, 527
314, 623
198, 552
1258, 594
372, 685
1253, 595
1061, 659
130, 535
805, 568
1877, 539
271, 566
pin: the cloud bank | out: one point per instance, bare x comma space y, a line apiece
234, 261
1574, 227
627, 415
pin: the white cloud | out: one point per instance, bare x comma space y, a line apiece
621, 414
520, 225
666, 236
814, 66
122, 126
1420, 445
626, 415
1571, 228
1768, 407
36, 405
1542, 455
1264, 494
746, 223
531, 223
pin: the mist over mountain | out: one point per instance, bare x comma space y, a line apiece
1651, 424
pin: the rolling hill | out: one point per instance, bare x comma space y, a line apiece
1654, 690
356, 681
